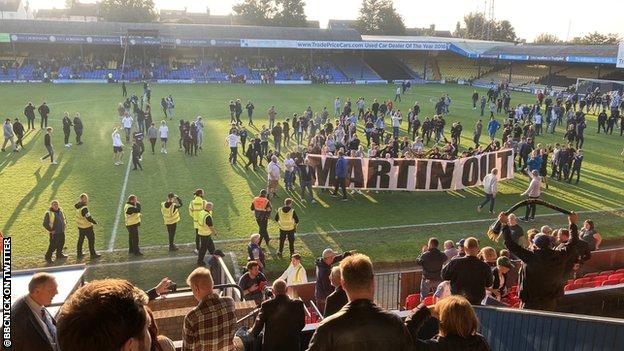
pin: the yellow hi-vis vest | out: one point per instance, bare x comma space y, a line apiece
286, 220
52, 216
171, 215
203, 229
195, 208
131, 219
81, 221
298, 279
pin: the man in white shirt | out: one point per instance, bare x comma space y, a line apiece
396, 122
397, 94
127, 121
289, 173
533, 192
273, 175
200, 131
295, 273
163, 130
117, 147
337, 107
232, 141
34, 328
490, 187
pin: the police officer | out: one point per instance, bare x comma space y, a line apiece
262, 210
54, 223
287, 220
132, 213
85, 223
205, 230
171, 216
195, 207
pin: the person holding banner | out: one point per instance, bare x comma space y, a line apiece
490, 187
341, 176
533, 192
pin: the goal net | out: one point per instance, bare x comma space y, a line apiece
585, 86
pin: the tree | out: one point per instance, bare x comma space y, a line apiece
478, 27
290, 13
379, 17
127, 10
546, 38
596, 38
255, 12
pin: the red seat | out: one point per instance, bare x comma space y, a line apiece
622, 281
590, 275
606, 272
610, 282
513, 289
581, 281
597, 283
428, 301
570, 281
601, 278
589, 285
616, 276
621, 270
412, 301
516, 305
570, 287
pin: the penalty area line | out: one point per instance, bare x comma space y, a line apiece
122, 195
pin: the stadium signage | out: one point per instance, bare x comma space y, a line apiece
344, 45
65, 39
414, 174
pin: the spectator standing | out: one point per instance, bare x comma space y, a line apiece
54, 223
589, 234
212, 323
232, 141
7, 128
431, 262
29, 113
282, 320
132, 219
336, 300
250, 107
163, 130
541, 277
18, 129
360, 325
295, 273
152, 135
468, 275
273, 176
490, 188
493, 127
67, 124
117, 147
287, 219
307, 177
449, 249
34, 328
44, 111
533, 192
78, 128
262, 211
116, 307
324, 264
126, 122
254, 251
85, 223
253, 283
341, 172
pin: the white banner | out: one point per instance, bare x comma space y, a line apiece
344, 45
414, 174
620, 58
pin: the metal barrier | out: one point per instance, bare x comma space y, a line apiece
387, 290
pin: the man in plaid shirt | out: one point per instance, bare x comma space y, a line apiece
211, 325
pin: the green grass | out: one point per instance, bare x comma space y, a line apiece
28, 185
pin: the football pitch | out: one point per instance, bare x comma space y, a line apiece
388, 226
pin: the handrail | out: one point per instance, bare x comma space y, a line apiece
318, 313
253, 313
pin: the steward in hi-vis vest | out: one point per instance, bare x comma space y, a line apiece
195, 207
85, 223
132, 219
171, 217
262, 211
205, 231
287, 220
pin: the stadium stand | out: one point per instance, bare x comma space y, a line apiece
388, 67
355, 68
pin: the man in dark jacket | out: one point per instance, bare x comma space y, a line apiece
542, 269
336, 300
324, 264
33, 326
431, 262
18, 129
360, 325
282, 319
44, 111
29, 112
341, 176
468, 275
78, 128
54, 223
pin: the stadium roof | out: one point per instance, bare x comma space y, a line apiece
170, 30
556, 50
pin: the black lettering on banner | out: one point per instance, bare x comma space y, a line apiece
504, 156
404, 165
440, 175
378, 169
421, 174
354, 170
470, 172
323, 171
483, 166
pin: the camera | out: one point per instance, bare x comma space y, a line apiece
268, 292
173, 287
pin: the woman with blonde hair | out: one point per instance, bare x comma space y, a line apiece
488, 255
458, 326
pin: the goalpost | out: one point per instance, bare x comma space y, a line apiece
585, 86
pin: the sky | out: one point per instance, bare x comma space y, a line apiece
566, 19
